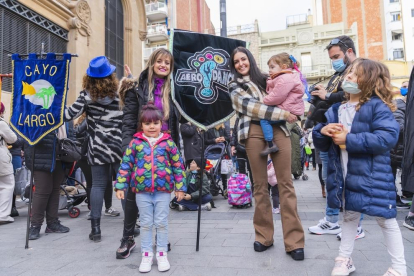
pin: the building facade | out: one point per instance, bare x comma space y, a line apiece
115, 28
369, 19
163, 15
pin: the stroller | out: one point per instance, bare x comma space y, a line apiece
214, 154
303, 157
70, 196
298, 157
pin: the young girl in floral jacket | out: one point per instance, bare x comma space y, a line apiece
153, 167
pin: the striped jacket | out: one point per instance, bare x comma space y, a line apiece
104, 120
247, 98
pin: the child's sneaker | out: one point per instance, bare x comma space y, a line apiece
343, 267
392, 272
325, 227
206, 206
409, 222
146, 262
360, 234
162, 261
276, 211
268, 150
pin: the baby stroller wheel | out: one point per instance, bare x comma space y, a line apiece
173, 205
305, 177
74, 212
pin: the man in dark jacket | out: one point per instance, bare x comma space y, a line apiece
16, 152
342, 53
407, 179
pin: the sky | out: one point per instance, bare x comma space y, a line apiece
271, 14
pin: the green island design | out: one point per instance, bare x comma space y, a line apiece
45, 94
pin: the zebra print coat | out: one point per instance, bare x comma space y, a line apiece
104, 120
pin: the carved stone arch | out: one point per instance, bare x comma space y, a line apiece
142, 20
128, 34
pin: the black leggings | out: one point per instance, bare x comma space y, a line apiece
320, 174
131, 213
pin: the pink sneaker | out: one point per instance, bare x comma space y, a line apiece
343, 267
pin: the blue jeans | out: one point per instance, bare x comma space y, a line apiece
193, 205
154, 209
101, 177
332, 214
268, 129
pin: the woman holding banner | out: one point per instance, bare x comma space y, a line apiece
246, 91
154, 84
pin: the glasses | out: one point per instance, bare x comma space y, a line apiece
336, 41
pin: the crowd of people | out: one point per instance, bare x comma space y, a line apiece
129, 134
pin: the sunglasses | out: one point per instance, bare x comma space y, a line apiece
336, 41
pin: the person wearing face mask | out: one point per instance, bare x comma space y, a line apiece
342, 53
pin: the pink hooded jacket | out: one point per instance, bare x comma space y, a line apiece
286, 91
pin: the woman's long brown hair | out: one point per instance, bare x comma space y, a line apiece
373, 80
99, 88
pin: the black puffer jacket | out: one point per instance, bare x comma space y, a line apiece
134, 94
398, 151
234, 142
211, 136
17, 146
192, 140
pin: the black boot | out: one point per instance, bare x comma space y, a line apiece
95, 234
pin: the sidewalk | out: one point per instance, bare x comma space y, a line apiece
226, 245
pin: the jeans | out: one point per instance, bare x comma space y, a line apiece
392, 237
268, 129
275, 196
101, 175
17, 164
154, 209
332, 214
193, 205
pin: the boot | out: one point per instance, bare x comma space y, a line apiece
323, 191
95, 234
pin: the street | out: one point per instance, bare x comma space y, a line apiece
226, 245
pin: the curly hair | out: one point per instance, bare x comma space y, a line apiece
99, 88
373, 79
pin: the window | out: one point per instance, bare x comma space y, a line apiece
306, 62
398, 54
114, 35
412, 12
396, 16
394, 1
396, 36
20, 35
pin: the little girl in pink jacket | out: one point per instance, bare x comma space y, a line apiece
285, 88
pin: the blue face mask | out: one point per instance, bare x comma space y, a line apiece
350, 87
403, 91
194, 171
339, 65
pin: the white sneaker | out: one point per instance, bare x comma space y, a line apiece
162, 261
392, 272
325, 227
206, 206
360, 234
343, 267
146, 262
276, 211
88, 217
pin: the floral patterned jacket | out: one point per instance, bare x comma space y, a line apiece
149, 169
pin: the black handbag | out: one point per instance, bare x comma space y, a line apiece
68, 151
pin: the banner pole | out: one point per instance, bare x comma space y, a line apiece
29, 207
200, 190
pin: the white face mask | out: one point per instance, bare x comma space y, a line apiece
350, 87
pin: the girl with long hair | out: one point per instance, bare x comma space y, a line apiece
359, 135
154, 84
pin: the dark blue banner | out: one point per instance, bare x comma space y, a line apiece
38, 95
201, 77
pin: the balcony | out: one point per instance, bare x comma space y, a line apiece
156, 11
157, 32
317, 71
149, 51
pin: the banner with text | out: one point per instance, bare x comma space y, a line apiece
201, 77
38, 95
